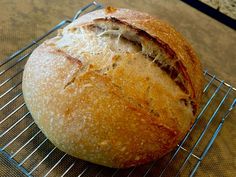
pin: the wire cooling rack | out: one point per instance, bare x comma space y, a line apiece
25, 146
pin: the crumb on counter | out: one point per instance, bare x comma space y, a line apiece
110, 9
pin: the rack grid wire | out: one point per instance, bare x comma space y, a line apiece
25, 146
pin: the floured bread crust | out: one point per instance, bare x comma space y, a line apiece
116, 87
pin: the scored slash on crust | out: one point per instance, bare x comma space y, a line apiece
172, 65
154, 48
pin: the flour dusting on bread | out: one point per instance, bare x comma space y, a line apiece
113, 88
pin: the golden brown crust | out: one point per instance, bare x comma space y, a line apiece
120, 113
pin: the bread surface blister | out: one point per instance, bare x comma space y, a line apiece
115, 87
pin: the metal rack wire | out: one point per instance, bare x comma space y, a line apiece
25, 146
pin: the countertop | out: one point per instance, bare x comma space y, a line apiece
22, 21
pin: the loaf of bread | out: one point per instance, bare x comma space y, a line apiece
116, 87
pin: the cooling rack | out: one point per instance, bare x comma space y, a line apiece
25, 146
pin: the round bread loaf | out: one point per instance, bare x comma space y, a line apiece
116, 87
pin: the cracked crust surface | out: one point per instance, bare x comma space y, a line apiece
106, 88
